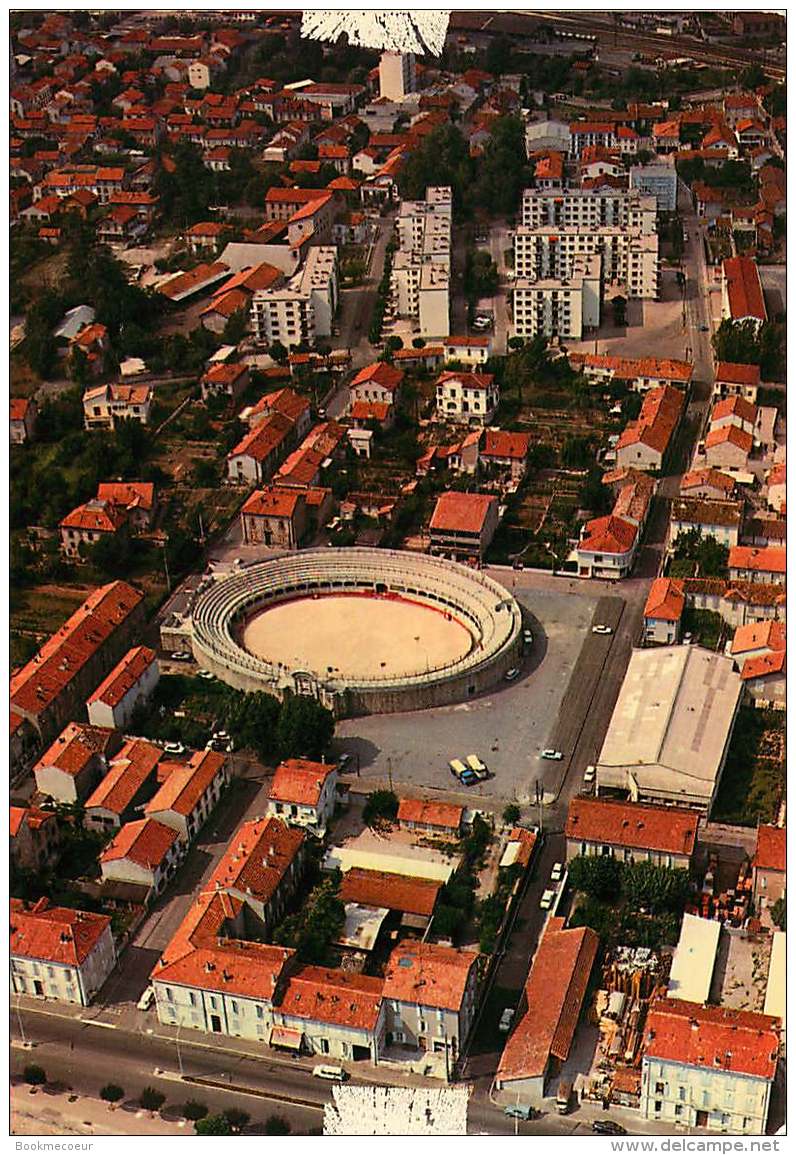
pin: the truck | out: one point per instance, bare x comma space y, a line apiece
564, 1097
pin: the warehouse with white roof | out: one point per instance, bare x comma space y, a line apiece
671, 727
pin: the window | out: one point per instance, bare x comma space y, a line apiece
235, 1009
678, 1110
659, 1088
260, 1012
68, 975
213, 1002
169, 995
658, 1106
324, 1045
681, 1094
192, 998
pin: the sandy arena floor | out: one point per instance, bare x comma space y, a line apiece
357, 637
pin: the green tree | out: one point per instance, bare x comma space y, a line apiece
194, 1110
237, 1118
112, 1093
276, 1125
710, 556
381, 805
236, 327
35, 1075
318, 924
279, 353
304, 727
596, 875
213, 1125
152, 1099
112, 554
779, 913
577, 452
447, 920
251, 720
511, 814
655, 888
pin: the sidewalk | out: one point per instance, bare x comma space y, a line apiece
36, 1111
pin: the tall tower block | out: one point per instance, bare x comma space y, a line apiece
396, 75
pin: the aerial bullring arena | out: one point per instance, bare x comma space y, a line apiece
365, 631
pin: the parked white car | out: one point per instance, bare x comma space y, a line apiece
552, 755
547, 899
557, 872
505, 1020
146, 1000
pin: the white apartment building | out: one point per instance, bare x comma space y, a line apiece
396, 75
630, 257
130, 683
469, 398
302, 309
708, 1067
59, 953
589, 209
420, 285
658, 180
559, 306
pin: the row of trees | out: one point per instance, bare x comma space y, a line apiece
746, 343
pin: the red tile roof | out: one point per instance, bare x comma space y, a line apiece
129, 770
185, 786
732, 433
428, 975
608, 535
271, 502
734, 373
763, 666
370, 410
378, 888
381, 374
657, 828
744, 290
321, 994
666, 601
716, 1038
96, 516
266, 437
466, 343
468, 380
19, 407
499, 443
16, 815
183, 284
462, 512
628, 368
145, 843
74, 747
772, 849
297, 196
713, 478
660, 413
130, 494
225, 373
442, 814
770, 559
768, 635
55, 934
734, 407
299, 781
259, 855
124, 676
42, 679
554, 993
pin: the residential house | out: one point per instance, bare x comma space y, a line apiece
303, 793
190, 793
760, 653
746, 563
258, 453
638, 373
728, 447
741, 291
144, 854
708, 1067
504, 451
776, 488
720, 520
707, 484
86, 525
468, 350
439, 818
547, 1017
130, 781
50, 690
34, 838
379, 382
332, 1013
470, 398
104, 405
205, 235
23, 415
462, 525
631, 833
663, 612
769, 865
59, 953
646, 442
413, 898
287, 402
274, 516
608, 545
227, 379
129, 685
430, 999
75, 762
135, 498
735, 411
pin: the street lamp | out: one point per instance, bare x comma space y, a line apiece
19, 1019
179, 1055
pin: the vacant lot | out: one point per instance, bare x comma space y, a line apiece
753, 783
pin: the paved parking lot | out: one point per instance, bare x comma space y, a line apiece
507, 728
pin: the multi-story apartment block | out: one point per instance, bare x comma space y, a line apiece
302, 309
59, 953
589, 209
421, 267
430, 995
560, 305
658, 180
708, 1067
629, 257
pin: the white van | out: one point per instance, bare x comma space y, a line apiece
333, 1074
457, 767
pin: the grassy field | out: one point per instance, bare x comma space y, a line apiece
753, 783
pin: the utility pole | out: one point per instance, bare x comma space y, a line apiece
166, 563
19, 1020
179, 1055
389, 771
